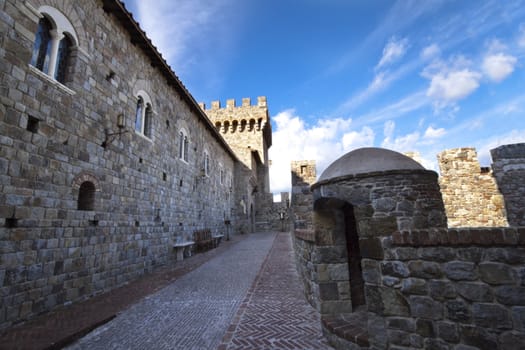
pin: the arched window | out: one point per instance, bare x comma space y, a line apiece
54, 40
86, 196
143, 117
183, 146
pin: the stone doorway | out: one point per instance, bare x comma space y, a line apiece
357, 292
252, 219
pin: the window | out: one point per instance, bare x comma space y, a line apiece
221, 178
183, 146
206, 166
86, 196
143, 117
54, 40
42, 46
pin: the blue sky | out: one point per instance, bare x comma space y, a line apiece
415, 75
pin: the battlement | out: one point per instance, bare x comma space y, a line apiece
231, 103
246, 118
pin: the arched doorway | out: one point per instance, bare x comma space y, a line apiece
357, 291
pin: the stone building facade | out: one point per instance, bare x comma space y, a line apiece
106, 160
385, 272
470, 193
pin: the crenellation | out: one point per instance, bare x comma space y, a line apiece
215, 104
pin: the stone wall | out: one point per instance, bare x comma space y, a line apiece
55, 137
470, 193
508, 164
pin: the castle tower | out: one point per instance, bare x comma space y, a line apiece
247, 130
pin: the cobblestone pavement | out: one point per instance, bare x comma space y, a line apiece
275, 314
191, 313
65, 324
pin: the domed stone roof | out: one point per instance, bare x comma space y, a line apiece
367, 160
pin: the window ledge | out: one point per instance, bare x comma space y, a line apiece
51, 80
143, 136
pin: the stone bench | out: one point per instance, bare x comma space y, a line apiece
216, 240
183, 249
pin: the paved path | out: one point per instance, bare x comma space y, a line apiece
203, 309
275, 314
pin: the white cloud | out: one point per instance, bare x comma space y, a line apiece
451, 86
323, 142
450, 81
404, 143
432, 133
393, 50
178, 27
498, 66
430, 52
358, 139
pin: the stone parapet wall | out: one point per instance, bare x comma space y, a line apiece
508, 164
454, 287
469, 192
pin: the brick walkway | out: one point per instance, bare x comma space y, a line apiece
275, 314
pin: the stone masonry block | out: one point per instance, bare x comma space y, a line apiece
497, 273
510, 295
424, 269
426, 307
491, 316
478, 337
457, 310
394, 268
518, 317
328, 291
461, 270
474, 291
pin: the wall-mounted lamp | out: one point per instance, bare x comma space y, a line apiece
110, 136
